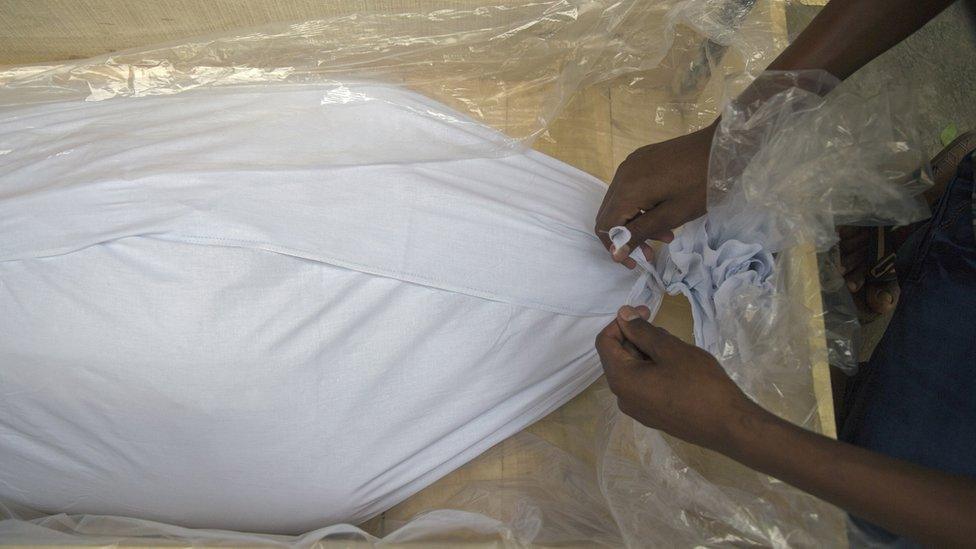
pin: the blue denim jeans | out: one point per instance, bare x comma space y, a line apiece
916, 398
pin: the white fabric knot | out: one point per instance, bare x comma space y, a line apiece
710, 274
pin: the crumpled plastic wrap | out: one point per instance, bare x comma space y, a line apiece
801, 154
511, 64
776, 161
529, 69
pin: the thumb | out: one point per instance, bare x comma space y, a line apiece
650, 340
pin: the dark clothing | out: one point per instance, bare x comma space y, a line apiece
916, 398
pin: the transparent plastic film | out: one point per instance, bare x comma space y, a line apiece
510, 65
798, 155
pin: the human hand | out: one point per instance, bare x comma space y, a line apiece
670, 385
858, 261
666, 181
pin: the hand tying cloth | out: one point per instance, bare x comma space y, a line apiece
709, 273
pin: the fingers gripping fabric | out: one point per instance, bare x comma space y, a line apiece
708, 272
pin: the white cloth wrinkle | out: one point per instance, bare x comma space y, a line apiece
281, 172
708, 273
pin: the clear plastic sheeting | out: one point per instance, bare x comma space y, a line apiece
512, 64
782, 147
840, 319
538, 71
798, 155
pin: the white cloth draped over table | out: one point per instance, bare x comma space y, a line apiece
278, 308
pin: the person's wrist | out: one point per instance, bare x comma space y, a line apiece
745, 429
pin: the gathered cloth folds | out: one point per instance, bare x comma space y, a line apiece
708, 271
275, 309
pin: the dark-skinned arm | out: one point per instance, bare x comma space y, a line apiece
847, 34
680, 389
667, 180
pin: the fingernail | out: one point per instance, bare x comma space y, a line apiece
620, 253
886, 297
628, 313
852, 286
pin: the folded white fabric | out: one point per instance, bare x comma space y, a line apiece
269, 309
708, 272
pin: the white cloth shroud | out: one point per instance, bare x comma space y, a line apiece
277, 308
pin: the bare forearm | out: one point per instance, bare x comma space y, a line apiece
844, 37
846, 34
916, 502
